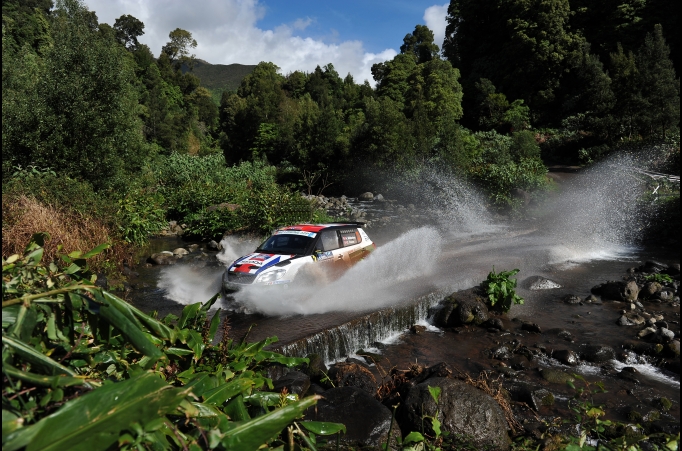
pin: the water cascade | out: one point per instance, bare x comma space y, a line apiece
336, 343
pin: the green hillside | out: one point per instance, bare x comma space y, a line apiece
220, 77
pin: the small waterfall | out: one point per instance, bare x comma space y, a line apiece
336, 343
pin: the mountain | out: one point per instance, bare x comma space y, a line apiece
220, 77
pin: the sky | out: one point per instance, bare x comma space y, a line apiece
294, 34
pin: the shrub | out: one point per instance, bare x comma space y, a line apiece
500, 289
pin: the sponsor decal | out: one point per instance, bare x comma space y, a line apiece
277, 282
322, 256
363, 235
296, 232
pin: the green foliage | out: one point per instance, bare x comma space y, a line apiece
140, 214
500, 290
86, 370
660, 278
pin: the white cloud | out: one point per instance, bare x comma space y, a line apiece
434, 16
226, 33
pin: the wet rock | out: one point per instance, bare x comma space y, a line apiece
650, 289
417, 329
673, 269
631, 319
646, 332
213, 245
353, 375
617, 291
598, 353
572, 299
462, 308
556, 376
462, 409
379, 198
531, 327
542, 397
501, 353
176, 229
673, 348
662, 335
294, 381
494, 323
366, 196
179, 252
628, 373
163, 258
665, 295
193, 247
592, 299
316, 368
566, 356
539, 283
367, 420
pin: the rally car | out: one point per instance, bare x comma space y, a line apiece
295, 250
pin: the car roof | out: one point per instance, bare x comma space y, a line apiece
319, 227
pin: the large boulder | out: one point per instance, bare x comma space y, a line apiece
598, 353
617, 291
461, 409
462, 308
163, 258
294, 381
366, 196
367, 420
350, 374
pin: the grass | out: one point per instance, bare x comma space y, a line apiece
23, 216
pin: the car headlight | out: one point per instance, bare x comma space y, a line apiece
271, 276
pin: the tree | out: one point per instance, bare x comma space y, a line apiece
128, 29
660, 89
420, 44
82, 116
178, 48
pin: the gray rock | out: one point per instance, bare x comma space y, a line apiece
294, 381
665, 295
572, 299
592, 299
380, 198
180, 252
501, 353
214, 245
556, 376
316, 368
631, 319
353, 375
531, 327
617, 291
598, 353
163, 258
366, 196
650, 289
462, 409
566, 356
367, 420
417, 329
662, 335
540, 283
462, 308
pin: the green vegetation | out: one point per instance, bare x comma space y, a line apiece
660, 278
84, 369
500, 290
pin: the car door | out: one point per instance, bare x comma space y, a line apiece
329, 251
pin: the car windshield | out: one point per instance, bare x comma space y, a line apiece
285, 244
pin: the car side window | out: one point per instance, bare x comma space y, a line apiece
350, 237
329, 240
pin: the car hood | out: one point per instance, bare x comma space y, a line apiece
258, 262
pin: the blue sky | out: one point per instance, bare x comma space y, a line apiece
294, 34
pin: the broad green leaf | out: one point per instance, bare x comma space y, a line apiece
9, 315
213, 328
94, 421
413, 437
96, 250
252, 434
36, 358
264, 398
131, 332
188, 313
435, 393
37, 379
435, 425
179, 351
223, 392
323, 427
196, 342
236, 409
10, 422
200, 383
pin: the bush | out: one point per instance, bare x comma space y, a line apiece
500, 290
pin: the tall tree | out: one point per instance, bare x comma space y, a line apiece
660, 88
178, 48
128, 29
420, 44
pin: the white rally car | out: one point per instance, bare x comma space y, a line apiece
280, 258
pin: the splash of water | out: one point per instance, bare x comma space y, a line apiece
376, 282
597, 215
186, 284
